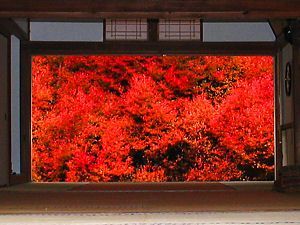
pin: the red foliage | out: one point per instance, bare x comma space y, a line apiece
136, 118
244, 123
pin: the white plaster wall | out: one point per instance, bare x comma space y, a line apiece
4, 132
237, 31
66, 31
15, 106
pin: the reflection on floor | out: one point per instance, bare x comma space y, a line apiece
171, 218
147, 186
145, 197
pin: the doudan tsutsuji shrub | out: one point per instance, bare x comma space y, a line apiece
244, 124
138, 118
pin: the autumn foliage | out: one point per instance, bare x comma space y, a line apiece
152, 118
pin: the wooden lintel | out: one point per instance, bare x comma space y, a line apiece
9, 27
213, 9
278, 26
152, 48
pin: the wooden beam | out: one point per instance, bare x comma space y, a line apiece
278, 26
213, 9
153, 29
9, 27
151, 48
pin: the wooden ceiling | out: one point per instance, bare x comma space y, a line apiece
205, 9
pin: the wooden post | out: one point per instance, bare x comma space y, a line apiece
289, 175
296, 70
4, 112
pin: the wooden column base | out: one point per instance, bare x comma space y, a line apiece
288, 179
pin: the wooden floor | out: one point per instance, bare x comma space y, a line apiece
178, 197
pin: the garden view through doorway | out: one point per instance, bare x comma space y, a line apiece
152, 118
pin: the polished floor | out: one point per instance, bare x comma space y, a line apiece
145, 198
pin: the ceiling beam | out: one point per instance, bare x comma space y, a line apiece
212, 9
151, 48
9, 27
278, 26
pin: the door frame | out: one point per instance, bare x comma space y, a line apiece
32, 48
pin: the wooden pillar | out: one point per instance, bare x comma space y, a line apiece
296, 70
4, 112
289, 174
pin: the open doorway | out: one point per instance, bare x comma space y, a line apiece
152, 118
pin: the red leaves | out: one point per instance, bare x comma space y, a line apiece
134, 118
245, 122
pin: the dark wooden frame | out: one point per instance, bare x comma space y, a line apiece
25, 93
8, 28
295, 73
278, 155
151, 47
8, 96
